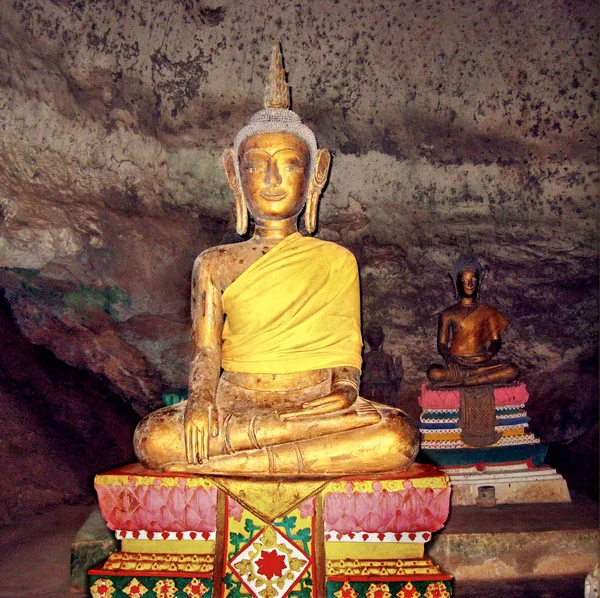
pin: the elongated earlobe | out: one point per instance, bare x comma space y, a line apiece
317, 182
241, 209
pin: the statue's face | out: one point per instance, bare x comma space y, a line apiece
467, 283
274, 174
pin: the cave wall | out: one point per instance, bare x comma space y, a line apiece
442, 118
60, 426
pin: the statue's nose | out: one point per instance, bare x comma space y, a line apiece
272, 176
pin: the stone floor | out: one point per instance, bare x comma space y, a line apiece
35, 557
518, 541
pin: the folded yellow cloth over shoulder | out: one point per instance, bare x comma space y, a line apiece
297, 308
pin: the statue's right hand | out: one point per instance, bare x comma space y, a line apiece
200, 423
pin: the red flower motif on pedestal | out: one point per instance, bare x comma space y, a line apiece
165, 588
346, 591
195, 588
134, 589
271, 564
409, 591
436, 590
102, 588
378, 590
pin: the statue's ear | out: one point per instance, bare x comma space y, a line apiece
241, 210
229, 163
317, 182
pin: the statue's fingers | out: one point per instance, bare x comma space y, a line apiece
213, 422
324, 408
326, 400
205, 443
194, 444
290, 414
188, 443
331, 405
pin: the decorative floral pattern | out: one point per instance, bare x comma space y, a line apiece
437, 589
307, 508
165, 588
146, 503
102, 588
379, 590
195, 588
134, 589
270, 565
409, 591
346, 591
235, 509
408, 510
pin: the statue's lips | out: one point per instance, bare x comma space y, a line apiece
273, 195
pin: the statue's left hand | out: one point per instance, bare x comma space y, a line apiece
341, 397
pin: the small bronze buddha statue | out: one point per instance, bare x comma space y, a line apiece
469, 336
275, 371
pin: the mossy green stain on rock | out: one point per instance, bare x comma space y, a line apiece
81, 299
24, 276
107, 299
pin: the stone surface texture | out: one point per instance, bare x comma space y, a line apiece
442, 117
93, 544
60, 426
519, 541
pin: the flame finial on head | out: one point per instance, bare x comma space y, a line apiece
277, 91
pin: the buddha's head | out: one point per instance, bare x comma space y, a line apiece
375, 336
467, 273
275, 168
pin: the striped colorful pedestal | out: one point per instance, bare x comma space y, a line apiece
186, 536
514, 465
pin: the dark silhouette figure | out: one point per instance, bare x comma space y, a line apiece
381, 377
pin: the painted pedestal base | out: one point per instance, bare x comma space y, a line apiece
184, 536
513, 466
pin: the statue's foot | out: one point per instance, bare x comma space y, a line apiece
245, 464
184, 468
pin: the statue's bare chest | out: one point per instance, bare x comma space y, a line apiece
234, 261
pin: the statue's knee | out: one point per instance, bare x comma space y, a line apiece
144, 439
436, 373
513, 371
400, 439
156, 440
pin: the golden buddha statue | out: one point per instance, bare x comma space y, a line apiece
469, 336
276, 362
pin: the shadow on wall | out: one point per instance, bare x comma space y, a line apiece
569, 422
60, 426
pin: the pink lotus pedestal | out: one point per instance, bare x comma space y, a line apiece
185, 535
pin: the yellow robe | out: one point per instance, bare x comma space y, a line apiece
297, 308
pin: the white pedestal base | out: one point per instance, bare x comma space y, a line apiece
513, 484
